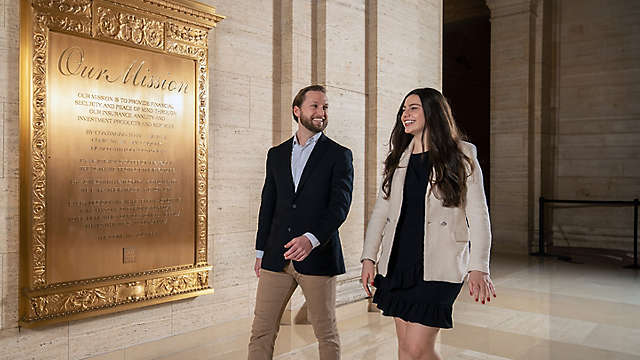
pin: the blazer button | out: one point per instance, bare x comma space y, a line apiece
444, 223
294, 206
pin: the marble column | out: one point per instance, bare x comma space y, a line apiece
515, 130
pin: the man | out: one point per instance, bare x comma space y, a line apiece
305, 198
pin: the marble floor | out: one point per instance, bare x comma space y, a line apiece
545, 309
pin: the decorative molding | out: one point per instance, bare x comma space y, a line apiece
68, 7
187, 33
128, 27
39, 150
202, 177
120, 277
207, 16
44, 307
179, 48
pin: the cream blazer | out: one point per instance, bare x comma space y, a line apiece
451, 247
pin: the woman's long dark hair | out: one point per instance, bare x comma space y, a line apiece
444, 150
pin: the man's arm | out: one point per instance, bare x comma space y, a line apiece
340, 198
267, 206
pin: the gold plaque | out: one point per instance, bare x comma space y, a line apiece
113, 110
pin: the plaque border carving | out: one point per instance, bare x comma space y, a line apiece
178, 27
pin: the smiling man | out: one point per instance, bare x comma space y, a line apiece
305, 198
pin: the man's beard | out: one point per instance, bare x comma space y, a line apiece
307, 122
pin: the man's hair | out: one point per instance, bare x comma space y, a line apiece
299, 99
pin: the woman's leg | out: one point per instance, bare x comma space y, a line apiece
416, 341
401, 330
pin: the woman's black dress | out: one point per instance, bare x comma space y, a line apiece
403, 293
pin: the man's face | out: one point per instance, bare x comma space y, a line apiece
313, 112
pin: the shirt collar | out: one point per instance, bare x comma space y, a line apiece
311, 140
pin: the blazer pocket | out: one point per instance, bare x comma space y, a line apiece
461, 235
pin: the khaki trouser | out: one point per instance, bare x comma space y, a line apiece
274, 291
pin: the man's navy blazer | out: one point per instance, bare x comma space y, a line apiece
319, 206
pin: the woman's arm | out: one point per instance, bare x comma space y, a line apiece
372, 240
480, 284
477, 214
373, 235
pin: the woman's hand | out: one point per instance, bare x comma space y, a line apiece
480, 286
368, 272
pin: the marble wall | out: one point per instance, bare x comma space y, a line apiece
598, 120
563, 122
260, 55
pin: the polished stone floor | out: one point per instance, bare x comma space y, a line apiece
545, 309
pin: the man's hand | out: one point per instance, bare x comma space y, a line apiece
299, 248
257, 266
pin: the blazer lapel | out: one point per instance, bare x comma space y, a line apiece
288, 148
314, 158
406, 155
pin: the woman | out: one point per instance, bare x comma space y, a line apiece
432, 223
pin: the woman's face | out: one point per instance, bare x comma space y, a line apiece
413, 115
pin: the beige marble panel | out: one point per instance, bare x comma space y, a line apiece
9, 59
508, 215
244, 39
345, 45
509, 145
51, 343
10, 220
10, 272
87, 337
301, 40
231, 99
225, 305
114, 355
598, 188
510, 121
592, 168
261, 109
509, 240
2, 153
2, 291
11, 144
581, 152
509, 169
2, 21
409, 45
233, 258
236, 162
597, 123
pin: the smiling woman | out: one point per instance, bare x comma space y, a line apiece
431, 207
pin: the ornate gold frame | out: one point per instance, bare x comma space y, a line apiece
178, 27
